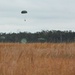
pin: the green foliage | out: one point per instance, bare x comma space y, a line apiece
43, 36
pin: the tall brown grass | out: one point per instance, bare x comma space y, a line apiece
37, 59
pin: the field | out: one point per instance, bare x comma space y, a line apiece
37, 59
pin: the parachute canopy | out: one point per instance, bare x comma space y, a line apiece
23, 12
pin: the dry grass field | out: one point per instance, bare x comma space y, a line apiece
37, 59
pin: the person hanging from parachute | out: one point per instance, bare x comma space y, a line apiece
24, 12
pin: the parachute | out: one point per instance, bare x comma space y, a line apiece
24, 12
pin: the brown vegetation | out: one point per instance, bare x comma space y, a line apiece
37, 59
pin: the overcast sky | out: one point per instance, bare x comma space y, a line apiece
42, 15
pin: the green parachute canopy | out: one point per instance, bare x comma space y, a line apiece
23, 12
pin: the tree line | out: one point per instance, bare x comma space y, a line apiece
43, 36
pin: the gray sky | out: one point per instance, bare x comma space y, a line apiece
42, 15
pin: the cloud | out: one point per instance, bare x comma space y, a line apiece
42, 14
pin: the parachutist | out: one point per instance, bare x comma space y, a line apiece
24, 20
